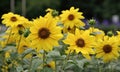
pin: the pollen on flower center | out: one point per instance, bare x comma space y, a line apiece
13, 19
107, 48
80, 43
43, 33
71, 17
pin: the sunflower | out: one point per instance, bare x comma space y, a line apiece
71, 18
81, 42
45, 34
107, 48
11, 19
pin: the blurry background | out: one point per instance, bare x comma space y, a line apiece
106, 12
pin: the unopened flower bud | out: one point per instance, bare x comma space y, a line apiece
92, 22
55, 13
110, 33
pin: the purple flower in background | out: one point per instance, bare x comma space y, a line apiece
105, 22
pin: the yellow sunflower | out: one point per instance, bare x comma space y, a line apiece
11, 19
71, 18
107, 48
81, 42
45, 34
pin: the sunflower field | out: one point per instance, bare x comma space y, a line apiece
57, 43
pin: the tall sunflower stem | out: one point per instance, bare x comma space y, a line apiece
55, 66
9, 36
111, 68
30, 64
43, 60
92, 29
100, 69
99, 66
19, 42
65, 61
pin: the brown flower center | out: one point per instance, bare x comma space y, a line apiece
13, 19
20, 26
107, 48
80, 43
68, 28
47, 65
43, 33
71, 17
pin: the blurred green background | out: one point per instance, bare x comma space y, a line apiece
102, 10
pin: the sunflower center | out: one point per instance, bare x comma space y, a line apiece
47, 66
71, 17
43, 33
68, 28
13, 19
80, 43
107, 48
20, 26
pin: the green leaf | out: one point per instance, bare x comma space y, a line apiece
19, 68
26, 52
81, 63
54, 54
46, 69
8, 48
35, 64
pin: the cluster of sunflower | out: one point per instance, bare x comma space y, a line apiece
53, 41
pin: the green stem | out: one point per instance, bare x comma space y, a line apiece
30, 64
19, 42
9, 36
43, 60
55, 66
100, 69
111, 68
65, 61
99, 66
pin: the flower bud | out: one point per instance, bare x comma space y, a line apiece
92, 22
110, 33
55, 13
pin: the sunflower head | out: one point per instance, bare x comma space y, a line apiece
71, 18
107, 49
11, 19
80, 42
46, 33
